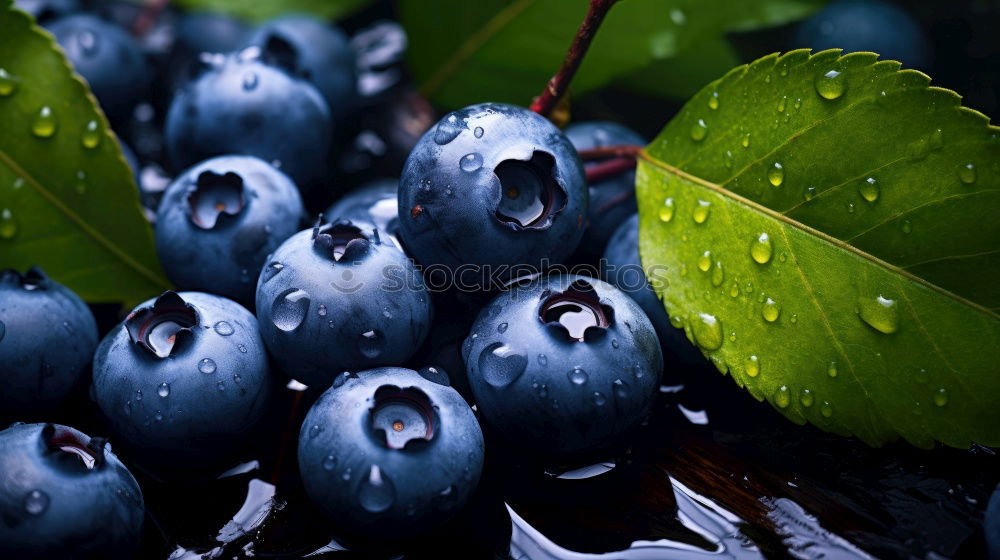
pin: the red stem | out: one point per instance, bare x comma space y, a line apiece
610, 168
606, 152
559, 83
147, 17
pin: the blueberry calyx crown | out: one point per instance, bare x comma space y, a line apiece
281, 53
402, 418
530, 195
576, 311
69, 445
34, 279
214, 199
162, 327
342, 240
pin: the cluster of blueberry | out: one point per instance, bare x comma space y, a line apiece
560, 364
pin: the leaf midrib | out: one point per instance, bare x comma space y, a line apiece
646, 156
80, 223
473, 44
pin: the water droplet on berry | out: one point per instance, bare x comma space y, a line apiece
448, 129
250, 80
599, 398
330, 462
377, 492
36, 502
206, 366
478, 132
471, 162
163, 390
289, 309
371, 343
500, 365
502, 328
578, 376
223, 328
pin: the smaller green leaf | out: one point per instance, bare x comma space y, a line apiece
68, 202
262, 10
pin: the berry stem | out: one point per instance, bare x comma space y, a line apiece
606, 152
559, 83
151, 10
610, 168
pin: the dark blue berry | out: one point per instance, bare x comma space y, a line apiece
612, 200
47, 339
339, 297
492, 185
315, 50
220, 219
239, 105
183, 380
390, 453
65, 495
563, 364
866, 25
108, 58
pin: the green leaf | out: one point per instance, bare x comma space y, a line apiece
887, 188
499, 50
71, 209
262, 10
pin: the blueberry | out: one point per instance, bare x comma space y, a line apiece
338, 297
202, 32
239, 105
563, 364
375, 203
65, 495
623, 268
47, 338
380, 50
108, 58
390, 453
315, 50
183, 380
220, 219
612, 200
866, 25
492, 185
